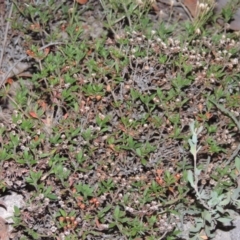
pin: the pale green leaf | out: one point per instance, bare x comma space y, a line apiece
207, 216
237, 163
225, 220
190, 178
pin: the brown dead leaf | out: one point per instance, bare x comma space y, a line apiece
191, 6
171, 189
4, 235
108, 88
43, 104
9, 81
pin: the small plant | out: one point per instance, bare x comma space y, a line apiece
94, 134
214, 204
117, 12
34, 178
204, 13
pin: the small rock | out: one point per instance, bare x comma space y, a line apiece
7, 210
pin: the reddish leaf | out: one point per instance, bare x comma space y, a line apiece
208, 115
33, 114
42, 104
82, 1
9, 81
30, 53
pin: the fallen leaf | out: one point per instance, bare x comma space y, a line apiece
171, 189
3, 229
191, 6
159, 172
9, 81
235, 24
108, 88
31, 53
208, 115
98, 97
112, 147
42, 104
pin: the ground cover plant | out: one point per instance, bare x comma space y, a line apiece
124, 127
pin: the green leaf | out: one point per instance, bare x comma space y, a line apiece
17, 211
235, 194
204, 195
208, 230
52, 196
112, 225
226, 200
199, 130
190, 178
197, 227
33, 234
198, 171
103, 211
237, 163
116, 212
138, 151
63, 213
220, 209
225, 220
207, 216
85, 189
213, 202
123, 220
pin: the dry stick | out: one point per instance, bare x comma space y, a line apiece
237, 123
5, 35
